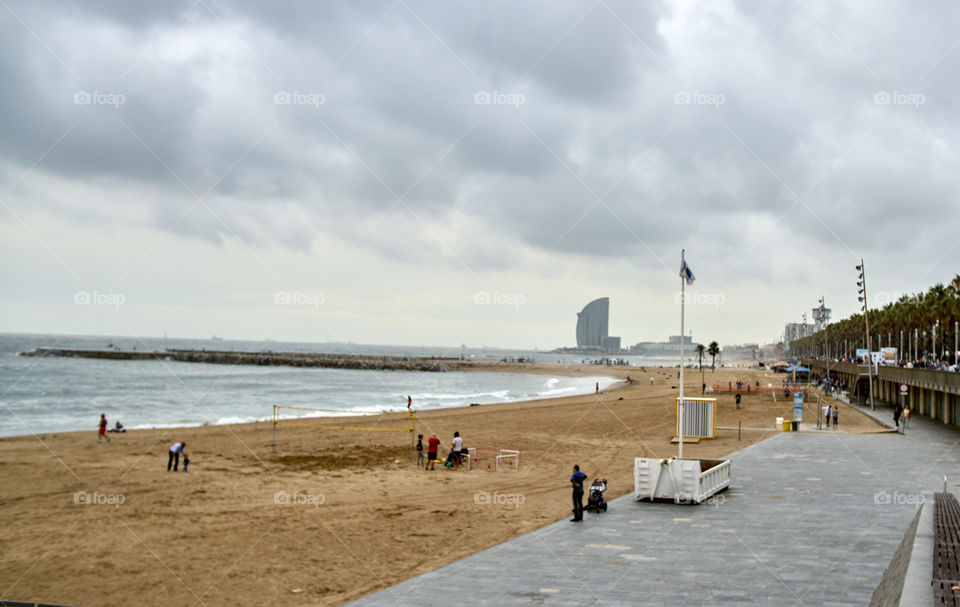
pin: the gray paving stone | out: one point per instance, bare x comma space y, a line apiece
773, 537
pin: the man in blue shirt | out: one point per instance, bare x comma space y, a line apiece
577, 481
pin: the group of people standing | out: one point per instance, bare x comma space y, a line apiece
832, 410
901, 414
455, 457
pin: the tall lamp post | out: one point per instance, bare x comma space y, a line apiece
862, 290
821, 318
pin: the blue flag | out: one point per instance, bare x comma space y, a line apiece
687, 273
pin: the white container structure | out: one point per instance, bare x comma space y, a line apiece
685, 481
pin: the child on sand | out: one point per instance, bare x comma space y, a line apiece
419, 450
102, 433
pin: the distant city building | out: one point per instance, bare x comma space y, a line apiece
609, 343
741, 352
593, 324
666, 348
797, 330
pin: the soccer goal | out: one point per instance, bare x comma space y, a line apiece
494, 459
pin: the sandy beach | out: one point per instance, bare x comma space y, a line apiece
332, 515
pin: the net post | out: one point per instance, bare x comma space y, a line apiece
413, 430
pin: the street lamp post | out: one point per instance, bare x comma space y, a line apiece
862, 284
934, 342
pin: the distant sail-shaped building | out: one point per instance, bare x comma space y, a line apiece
593, 324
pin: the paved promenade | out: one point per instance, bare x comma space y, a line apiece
811, 519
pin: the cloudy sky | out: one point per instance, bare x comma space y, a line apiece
470, 172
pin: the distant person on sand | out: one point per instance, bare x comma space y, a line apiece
836, 414
409, 403
102, 432
829, 410
174, 460
432, 445
598, 387
576, 481
419, 450
186, 458
118, 427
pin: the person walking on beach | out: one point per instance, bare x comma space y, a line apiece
102, 432
419, 450
836, 414
576, 481
598, 388
432, 445
828, 410
409, 403
174, 460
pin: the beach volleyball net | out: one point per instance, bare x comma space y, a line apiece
325, 419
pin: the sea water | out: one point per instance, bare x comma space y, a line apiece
56, 394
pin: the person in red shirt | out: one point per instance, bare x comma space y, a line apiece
432, 445
102, 434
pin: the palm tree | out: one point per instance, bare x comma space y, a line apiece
713, 350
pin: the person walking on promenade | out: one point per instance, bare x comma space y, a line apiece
897, 412
174, 459
102, 432
576, 481
419, 450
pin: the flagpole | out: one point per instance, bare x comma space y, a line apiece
683, 281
